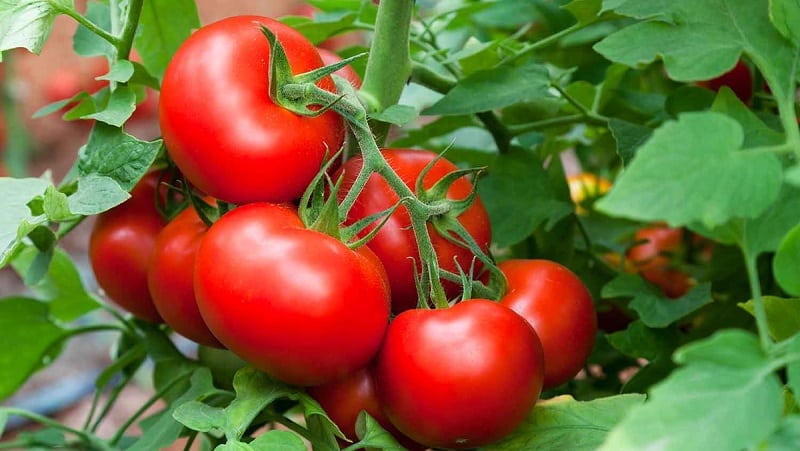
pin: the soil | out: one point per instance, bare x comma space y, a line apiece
63, 389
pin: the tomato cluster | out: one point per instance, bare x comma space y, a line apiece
309, 309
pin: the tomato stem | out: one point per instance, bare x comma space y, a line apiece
758, 301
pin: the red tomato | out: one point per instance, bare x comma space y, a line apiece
221, 127
653, 258
739, 79
294, 303
120, 247
395, 244
170, 277
559, 307
460, 377
345, 398
347, 72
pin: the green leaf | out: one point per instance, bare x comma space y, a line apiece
793, 368
163, 26
200, 417
234, 446
692, 170
637, 340
278, 440
323, 26
17, 219
61, 287
629, 137
85, 42
96, 194
656, 310
119, 108
585, 11
322, 429
564, 423
785, 15
121, 72
115, 154
786, 262
254, 391
396, 114
29, 331
786, 437
783, 315
28, 23
726, 386
756, 132
518, 197
728, 28
494, 88
373, 435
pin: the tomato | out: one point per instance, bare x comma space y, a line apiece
120, 247
294, 303
347, 72
739, 79
343, 400
395, 244
221, 127
659, 245
170, 277
460, 377
559, 307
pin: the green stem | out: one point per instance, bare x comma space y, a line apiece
90, 439
758, 301
544, 42
274, 417
389, 64
129, 29
91, 26
550, 122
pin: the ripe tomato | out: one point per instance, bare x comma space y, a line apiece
347, 72
739, 79
343, 400
460, 377
559, 307
170, 277
294, 303
394, 243
221, 127
654, 258
120, 247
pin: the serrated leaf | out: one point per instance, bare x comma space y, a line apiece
518, 197
163, 26
756, 132
726, 386
119, 108
564, 423
254, 391
785, 15
17, 219
61, 285
323, 430
670, 30
323, 26
199, 416
693, 170
786, 437
637, 340
396, 114
278, 440
28, 23
783, 315
494, 88
121, 72
654, 309
786, 262
373, 435
115, 154
30, 332
96, 194
585, 11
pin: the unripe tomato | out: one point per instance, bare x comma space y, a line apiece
170, 277
120, 247
294, 303
220, 125
459, 377
560, 309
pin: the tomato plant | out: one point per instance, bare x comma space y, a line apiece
304, 318
438, 373
395, 243
271, 153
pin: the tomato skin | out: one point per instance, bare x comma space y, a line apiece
347, 72
560, 309
395, 244
170, 277
460, 377
739, 79
120, 247
652, 258
294, 303
221, 127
